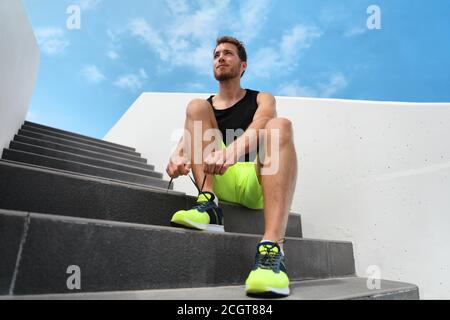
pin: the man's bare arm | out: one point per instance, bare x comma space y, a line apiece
179, 149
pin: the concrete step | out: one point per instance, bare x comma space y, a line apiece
62, 133
115, 256
126, 155
92, 142
48, 191
11, 234
71, 166
138, 162
349, 288
19, 146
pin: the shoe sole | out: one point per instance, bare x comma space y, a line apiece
267, 292
198, 226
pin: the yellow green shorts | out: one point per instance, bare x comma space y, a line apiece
240, 184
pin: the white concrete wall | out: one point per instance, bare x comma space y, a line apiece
376, 174
19, 60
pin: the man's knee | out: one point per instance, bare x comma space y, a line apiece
198, 108
284, 128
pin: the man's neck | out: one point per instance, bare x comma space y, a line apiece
230, 90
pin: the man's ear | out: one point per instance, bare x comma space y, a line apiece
244, 64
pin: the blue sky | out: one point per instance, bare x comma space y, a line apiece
89, 77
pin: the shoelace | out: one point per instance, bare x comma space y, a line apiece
200, 191
270, 259
202, 206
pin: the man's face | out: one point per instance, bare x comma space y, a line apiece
227, 64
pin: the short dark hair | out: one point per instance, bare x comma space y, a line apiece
242, 53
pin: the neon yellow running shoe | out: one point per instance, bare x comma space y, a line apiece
205, 215
269, 276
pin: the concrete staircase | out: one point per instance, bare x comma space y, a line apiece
71, 200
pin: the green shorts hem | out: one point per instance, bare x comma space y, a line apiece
240, 185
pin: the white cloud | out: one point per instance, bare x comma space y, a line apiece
189, 37
129, 81
92, 74
113, 55
195, 86
269, 60
143, 74
356, 31
265, 62
112, 35
141, 29
332, 15
51, 40
177, 7
296, 90
334, 83
298, 38
133, 82
114, 45
252, 16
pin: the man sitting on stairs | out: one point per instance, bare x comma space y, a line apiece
226, 171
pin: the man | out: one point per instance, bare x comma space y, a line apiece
221, 174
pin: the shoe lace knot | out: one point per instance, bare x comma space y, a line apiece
268, 257
202, 206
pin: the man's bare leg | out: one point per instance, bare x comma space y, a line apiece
200, 111
278, 189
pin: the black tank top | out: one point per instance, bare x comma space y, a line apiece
238, 116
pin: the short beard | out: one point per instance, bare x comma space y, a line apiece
225, 76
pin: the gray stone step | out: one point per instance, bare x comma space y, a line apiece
48, 191
115, 256
138, 162
349, 288
126, 155
62, 133
66, 165
14, 145
11, 234
91, 142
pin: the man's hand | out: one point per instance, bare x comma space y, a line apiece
178, 166
218, 162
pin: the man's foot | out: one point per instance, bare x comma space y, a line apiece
268, 277
205, 215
